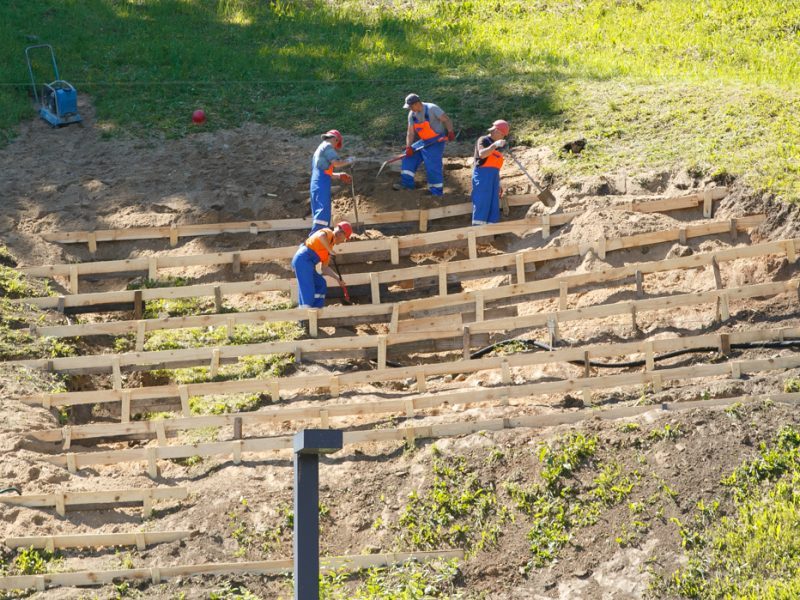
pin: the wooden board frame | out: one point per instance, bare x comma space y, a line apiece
175, 231
236, 448
140, 539
60, 501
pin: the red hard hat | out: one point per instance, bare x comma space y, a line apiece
346, 228
501, 126
333, 133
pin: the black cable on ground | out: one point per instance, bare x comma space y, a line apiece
635, 363
9, 490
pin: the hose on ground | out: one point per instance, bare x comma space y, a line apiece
534, 344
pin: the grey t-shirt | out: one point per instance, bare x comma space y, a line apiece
324, 156
434, 112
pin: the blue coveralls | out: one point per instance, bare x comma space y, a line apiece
320, 191
312, 286
486, 187
429, 152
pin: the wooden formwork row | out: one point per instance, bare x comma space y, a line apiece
518, 263
422, 216
264, 567
61, 501
162, 429
342, 315
140, 539
458, 336
586, 385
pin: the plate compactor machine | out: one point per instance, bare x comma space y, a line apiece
58, 101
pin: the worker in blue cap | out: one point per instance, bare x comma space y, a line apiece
428, 130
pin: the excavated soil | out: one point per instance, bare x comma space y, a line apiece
77, 178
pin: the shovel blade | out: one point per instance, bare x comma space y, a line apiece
383, 166
546, 197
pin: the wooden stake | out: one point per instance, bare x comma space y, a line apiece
116, 373
408, 404
725, 344
324, 419
724, 310
253, 229
140, 328
545, 226
313, 322
519, 258
214, 367
152, 268
682, 236
92, 242
649, 357
395, 320
658, 384
334, 386
472, 245
161, 433
230, 324
708, 203
237, 428
734, 230
587, 366
505, 373
138, 305
423, 220
152, 464
72, 462
236, 263
183, 392
275, 390
61, 508
791, 253
394, 251
479, 306
601, 248
374, 288
218, 299
73, 279
736, 370
381, 351
717, 275
173, 235
467, 346
443, 279
422, 384
562, 295
552, 329
639, 283
125, 410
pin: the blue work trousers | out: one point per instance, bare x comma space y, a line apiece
320, 199
312, 285
485, 195
432, 157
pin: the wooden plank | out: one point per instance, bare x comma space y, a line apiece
78, 499
282, 414
265, 567
477, 267
344, 312
95, 540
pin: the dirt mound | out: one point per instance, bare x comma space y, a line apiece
592, 226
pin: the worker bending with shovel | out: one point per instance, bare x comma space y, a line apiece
325, 160
486, 188
428, 130
318, 248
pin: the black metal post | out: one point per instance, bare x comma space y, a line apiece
308, 445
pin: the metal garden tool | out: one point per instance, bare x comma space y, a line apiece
345, 293
544, 195
355, 200
416, 146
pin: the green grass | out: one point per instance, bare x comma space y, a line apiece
751, 553
651, 83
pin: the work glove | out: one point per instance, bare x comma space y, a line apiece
409, 151
345, 178
451, 136
351, 159
500, 144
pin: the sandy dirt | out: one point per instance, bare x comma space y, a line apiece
78, 178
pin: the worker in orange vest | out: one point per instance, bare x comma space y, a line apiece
431, 128
324, 161
317, 249
486, 189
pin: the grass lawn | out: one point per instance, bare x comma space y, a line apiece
651, 83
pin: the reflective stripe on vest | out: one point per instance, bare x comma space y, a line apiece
313, 242
424, 129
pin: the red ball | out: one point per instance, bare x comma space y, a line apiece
199, 116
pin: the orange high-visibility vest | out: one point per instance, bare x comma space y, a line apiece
314, 243
424, 129
494, 160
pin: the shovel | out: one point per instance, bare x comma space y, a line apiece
355, 200
417, 146
345, 293
544, 195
